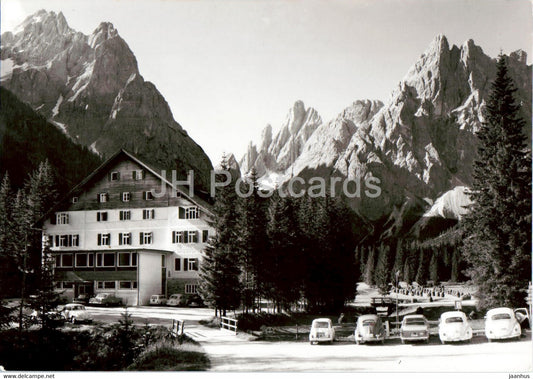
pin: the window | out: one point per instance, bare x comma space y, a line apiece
145, 238
190, 264
191, 236
127, 259
205, 235
148, 214
105, 285
189, 213
137, 174
104, 239
125, 215
124, 238
66, 260
67, 240
75, 199
177, 237
62, 218
84, 260
103, 197
177, 264
126, 196
101, 216
127, 285
105, 259
191, 288
58, 260
147, 195
115, 175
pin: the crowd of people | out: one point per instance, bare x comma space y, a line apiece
430, 292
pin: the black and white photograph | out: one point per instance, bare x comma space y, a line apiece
221, 187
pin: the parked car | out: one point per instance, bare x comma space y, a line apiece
454, 326
107, 299
501, 323
414, 328
176, 300
158, 300
76, 313
321, 331
194, 301
369, 329
82, 299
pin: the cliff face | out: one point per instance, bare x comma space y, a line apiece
420, 143
90, 88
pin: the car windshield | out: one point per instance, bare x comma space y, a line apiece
414, 321
369, 323
173, 297
321, 324
451, 320
501, 316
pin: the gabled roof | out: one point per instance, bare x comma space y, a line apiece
182, 190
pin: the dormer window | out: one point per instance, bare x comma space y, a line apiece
114, 176
137, 174
126, 196
147, 195
75, 199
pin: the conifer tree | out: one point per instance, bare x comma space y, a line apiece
434, 267
369, 266
220, 270
498, 228
382, 272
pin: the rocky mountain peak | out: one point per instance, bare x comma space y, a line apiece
91, 89
102, 33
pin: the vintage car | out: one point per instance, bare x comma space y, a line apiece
369, 329
158, 300
501, 323
454, 326
321, 331
176, 300
75, 312
414, 328
106, 299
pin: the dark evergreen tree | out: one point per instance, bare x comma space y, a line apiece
253, 242
434, 267
422, 272
220, 270
382, 271
370, 266
498, 228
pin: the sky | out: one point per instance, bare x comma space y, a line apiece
228, 68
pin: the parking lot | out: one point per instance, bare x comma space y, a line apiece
229, 352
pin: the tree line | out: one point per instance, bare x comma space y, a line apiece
282, 250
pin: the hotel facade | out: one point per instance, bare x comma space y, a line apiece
118, 232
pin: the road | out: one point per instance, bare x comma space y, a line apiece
238, 353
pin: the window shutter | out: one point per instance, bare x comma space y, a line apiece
98, 216
177, 264
57, 241
98, 197
185, 237
152, 212
195, 237
181, 212
109, 239
106, 196
120, 238
205, 235
185, 264
141, 235
99, 239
